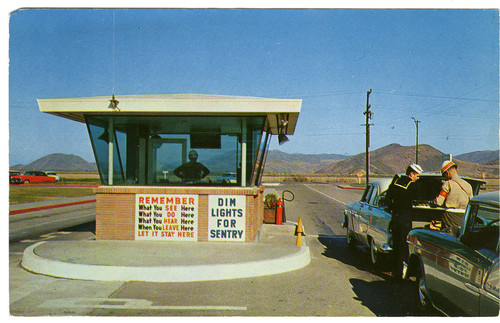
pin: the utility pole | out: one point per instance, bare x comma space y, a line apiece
368, 115
416, 145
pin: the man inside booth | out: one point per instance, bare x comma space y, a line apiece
192, 171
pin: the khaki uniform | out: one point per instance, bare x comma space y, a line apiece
455, 194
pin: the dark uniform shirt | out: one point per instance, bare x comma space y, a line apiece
191, 171
403, 194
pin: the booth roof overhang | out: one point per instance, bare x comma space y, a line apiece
276, 110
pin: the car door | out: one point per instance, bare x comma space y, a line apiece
355, 216
30, 177
40, 177
378, 218
462, 263
490, 298
363, 218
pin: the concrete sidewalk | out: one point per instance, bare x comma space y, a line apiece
273, 252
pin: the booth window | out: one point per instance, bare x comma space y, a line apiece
147, 150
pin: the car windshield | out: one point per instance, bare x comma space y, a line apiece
483, 226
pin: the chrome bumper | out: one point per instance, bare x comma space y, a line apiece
384, 247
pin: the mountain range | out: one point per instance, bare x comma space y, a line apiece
387, 160
59, 162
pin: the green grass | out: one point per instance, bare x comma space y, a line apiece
79, 181
23, 194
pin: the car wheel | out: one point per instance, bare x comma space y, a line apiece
422, 298
26, 181
374, 257
351, 242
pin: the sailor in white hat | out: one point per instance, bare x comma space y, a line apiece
402, 193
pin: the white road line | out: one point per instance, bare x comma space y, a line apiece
130, 304
332, 198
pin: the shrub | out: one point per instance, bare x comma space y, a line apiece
270, 201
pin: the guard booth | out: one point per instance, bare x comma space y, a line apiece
139, 142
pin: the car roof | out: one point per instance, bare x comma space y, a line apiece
488, 197
462, 177
382, 183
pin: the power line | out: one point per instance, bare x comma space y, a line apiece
435, 96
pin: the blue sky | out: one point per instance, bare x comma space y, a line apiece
438, 66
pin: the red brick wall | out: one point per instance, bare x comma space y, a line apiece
115, 208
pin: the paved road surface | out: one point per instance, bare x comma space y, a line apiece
337, 282
29, 220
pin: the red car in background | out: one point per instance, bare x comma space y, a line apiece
34, 177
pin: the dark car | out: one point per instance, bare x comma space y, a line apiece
12, 177
457, 271
226, 178
34, 177
367, 221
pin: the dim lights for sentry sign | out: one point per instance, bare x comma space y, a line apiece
166, 217
226, 218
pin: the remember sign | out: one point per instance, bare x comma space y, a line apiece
166, 217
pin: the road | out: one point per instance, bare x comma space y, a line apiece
42, 218
337, 282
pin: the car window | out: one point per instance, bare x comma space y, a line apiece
367, 193
483, 226
374, 196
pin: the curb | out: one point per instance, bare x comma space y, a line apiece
46, 207
183, 273
351, 188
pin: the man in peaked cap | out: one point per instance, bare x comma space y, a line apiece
454, 196
402, 191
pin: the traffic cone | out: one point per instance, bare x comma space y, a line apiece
299, 232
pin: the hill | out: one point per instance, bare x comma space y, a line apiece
284, 163
487, 157
384, 161
59, 162
395, 158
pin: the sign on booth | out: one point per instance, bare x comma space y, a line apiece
166, 217
226, 218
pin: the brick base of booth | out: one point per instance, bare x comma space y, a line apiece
178, 213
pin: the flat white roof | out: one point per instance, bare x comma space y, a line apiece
177, 104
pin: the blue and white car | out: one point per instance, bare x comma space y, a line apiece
367, 221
